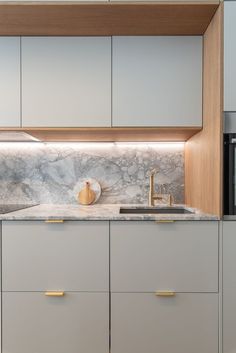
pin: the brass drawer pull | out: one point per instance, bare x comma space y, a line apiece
54, 294
165, 293
165, 221
54, 221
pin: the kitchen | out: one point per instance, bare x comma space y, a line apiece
114, 232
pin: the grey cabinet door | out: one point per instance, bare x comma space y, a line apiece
229, 56
66, 81
229, 287
69, 256
9, 82
145, 323
180, 256
77, 322
157, 81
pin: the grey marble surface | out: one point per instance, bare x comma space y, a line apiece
49, 173
97, 212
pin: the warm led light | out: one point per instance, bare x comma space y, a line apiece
20, 145
164, 145
91, 145
80, 145
118, 144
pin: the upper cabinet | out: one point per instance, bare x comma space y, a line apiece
10, 82
229, 56
66, 81
157, 81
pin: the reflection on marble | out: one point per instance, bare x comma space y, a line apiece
48, 173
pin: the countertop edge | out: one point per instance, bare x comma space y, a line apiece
100, 212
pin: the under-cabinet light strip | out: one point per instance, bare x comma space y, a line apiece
88, 145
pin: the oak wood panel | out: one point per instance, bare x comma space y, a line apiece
110, 134
106, 18
203, 161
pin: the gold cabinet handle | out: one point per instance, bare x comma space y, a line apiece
165, 293
54, 294
54, 221
165, 221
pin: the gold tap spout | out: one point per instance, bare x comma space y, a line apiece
152, 195
155, 196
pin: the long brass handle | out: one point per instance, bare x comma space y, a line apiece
165, 293
54, 294
165, 221
54, 221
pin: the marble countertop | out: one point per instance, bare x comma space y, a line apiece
99, 212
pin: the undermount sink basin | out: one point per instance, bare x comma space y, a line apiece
155, 210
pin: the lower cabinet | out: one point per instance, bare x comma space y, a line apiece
163, 280
164, 284
75, 322
185, 323
229, 287
55, 294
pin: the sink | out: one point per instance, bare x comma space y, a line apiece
155, 210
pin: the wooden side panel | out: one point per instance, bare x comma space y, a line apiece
105, 18
203, 160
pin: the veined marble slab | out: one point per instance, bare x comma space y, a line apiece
48, 173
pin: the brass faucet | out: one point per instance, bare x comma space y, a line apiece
152, 195
155, 196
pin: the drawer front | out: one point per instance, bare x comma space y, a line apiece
142, 322
69, 256
77, 322
180, 256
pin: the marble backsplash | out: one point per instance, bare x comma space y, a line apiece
49, 173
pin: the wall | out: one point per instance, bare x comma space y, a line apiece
49, 173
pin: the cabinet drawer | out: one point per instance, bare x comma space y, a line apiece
68, 256
77, 322
142, 322
180, 256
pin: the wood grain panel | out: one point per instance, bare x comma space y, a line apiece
110, 134
106, 18
203, 153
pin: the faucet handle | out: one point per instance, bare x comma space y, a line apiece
153, 171
162, 188
171, 200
